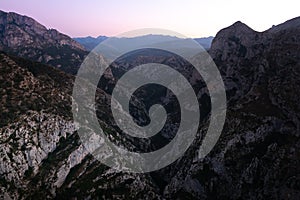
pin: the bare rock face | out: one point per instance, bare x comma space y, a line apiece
256, 157
25, 37
41, 155
235, 37
24, 147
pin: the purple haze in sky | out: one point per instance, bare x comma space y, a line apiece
193, 18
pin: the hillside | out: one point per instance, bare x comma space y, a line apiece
24, 37
256, 157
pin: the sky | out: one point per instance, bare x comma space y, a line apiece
192, 18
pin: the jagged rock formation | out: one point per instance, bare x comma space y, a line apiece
24, 37
41, 154
256, 157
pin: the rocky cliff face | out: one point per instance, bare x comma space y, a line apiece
24, 37
256, 157
41, 154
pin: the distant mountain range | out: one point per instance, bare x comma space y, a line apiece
23, 36
90, 42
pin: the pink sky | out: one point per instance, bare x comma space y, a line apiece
193, 18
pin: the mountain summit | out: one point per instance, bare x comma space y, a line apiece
25, 37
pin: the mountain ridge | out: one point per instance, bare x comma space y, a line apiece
90, 42
24, 37
256, 156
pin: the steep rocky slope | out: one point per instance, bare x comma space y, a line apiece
256, 157
24, 37
41, 155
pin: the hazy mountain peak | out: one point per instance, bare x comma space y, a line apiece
91, 42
